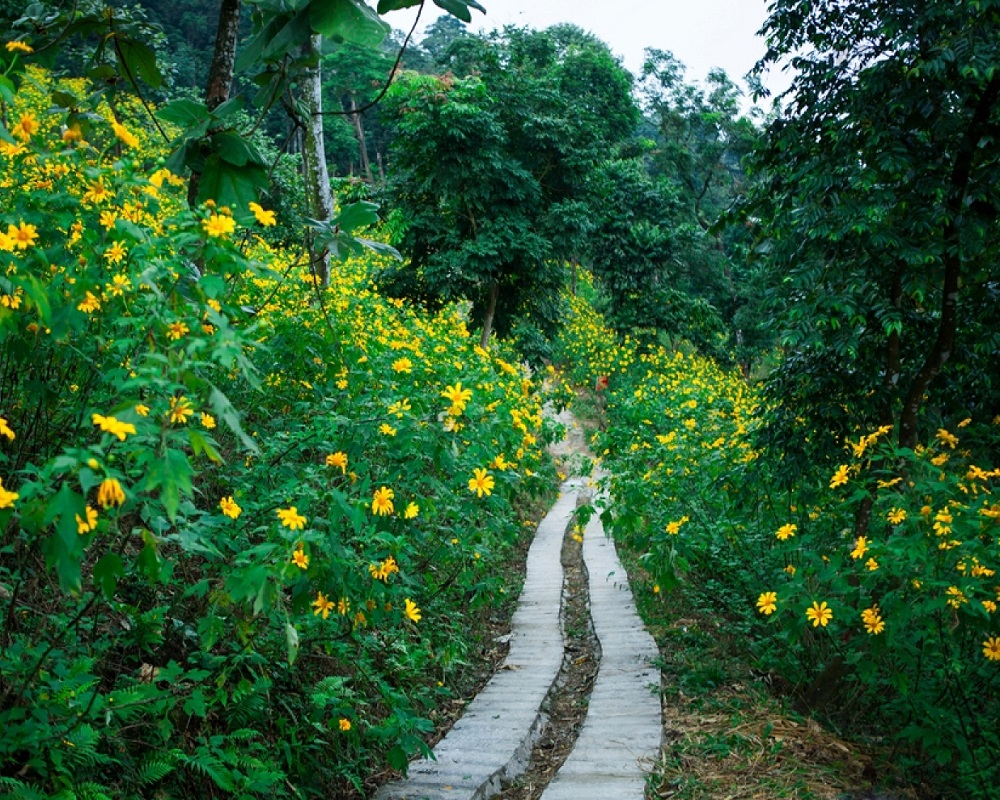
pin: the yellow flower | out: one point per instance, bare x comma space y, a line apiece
990, 606
896, 516
265, 218
991, 648
786, 531
338, 459
819, 614
26, 127
115, 253
402, 365
384, 569
872, 564
300, 559
7, 498
839, 477
175, 330
860, 548
481, 482
110, 493
956, 597
89, 304
291, 518
873, 621
324, 606
790, 569
18, 46
5, 430
382, 501
458, 397
411, 610
500, 463
180, 410
142, 410
386, 430
207, 421
767, 603
23, 236
230, 508
411, 511
87, 522
125, 135
219, 225
343, 606
946, 438
113, 426
344, 724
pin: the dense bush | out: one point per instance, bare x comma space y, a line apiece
871, 594
246, 524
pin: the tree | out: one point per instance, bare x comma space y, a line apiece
469, 206
877, 210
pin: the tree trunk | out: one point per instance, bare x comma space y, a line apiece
320, 197
490, 314
220, 73
359, 131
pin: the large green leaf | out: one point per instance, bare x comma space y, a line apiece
190, 115
460, 8
234, 149
348, 21
138, 60
230, 185
291, 36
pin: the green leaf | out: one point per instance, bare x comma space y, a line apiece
234, 149
7, 90
195, 704
292, 640
228, 184
171, 474
291, 37
459, 8
107, 571
254, 50
190, 115
395, 5
348, 21
357, 215
139, 60
201, 444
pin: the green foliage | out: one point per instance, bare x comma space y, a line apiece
236, 508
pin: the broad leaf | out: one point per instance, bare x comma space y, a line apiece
348, 21
230, 185
460, 8
138, 60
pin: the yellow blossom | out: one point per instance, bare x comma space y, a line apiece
338, 459
767, 603
219, 225
87, 522
412, 509
125, 135
481, 482
230, 508
785, 531
264, 217
411, 610
839, 477
110, 493
300, 559
17, 46
180, 410
344, 724
382, 501
7, 498
323, 605
113, 426
291, 518
819, 614
5, 429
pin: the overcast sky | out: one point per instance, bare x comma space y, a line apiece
701, 33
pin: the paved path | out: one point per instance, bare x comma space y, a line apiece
493, 739
492, 742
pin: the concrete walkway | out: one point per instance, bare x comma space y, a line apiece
491, 744
493, 739
621, 735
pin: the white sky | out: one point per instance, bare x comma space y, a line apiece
702, 33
